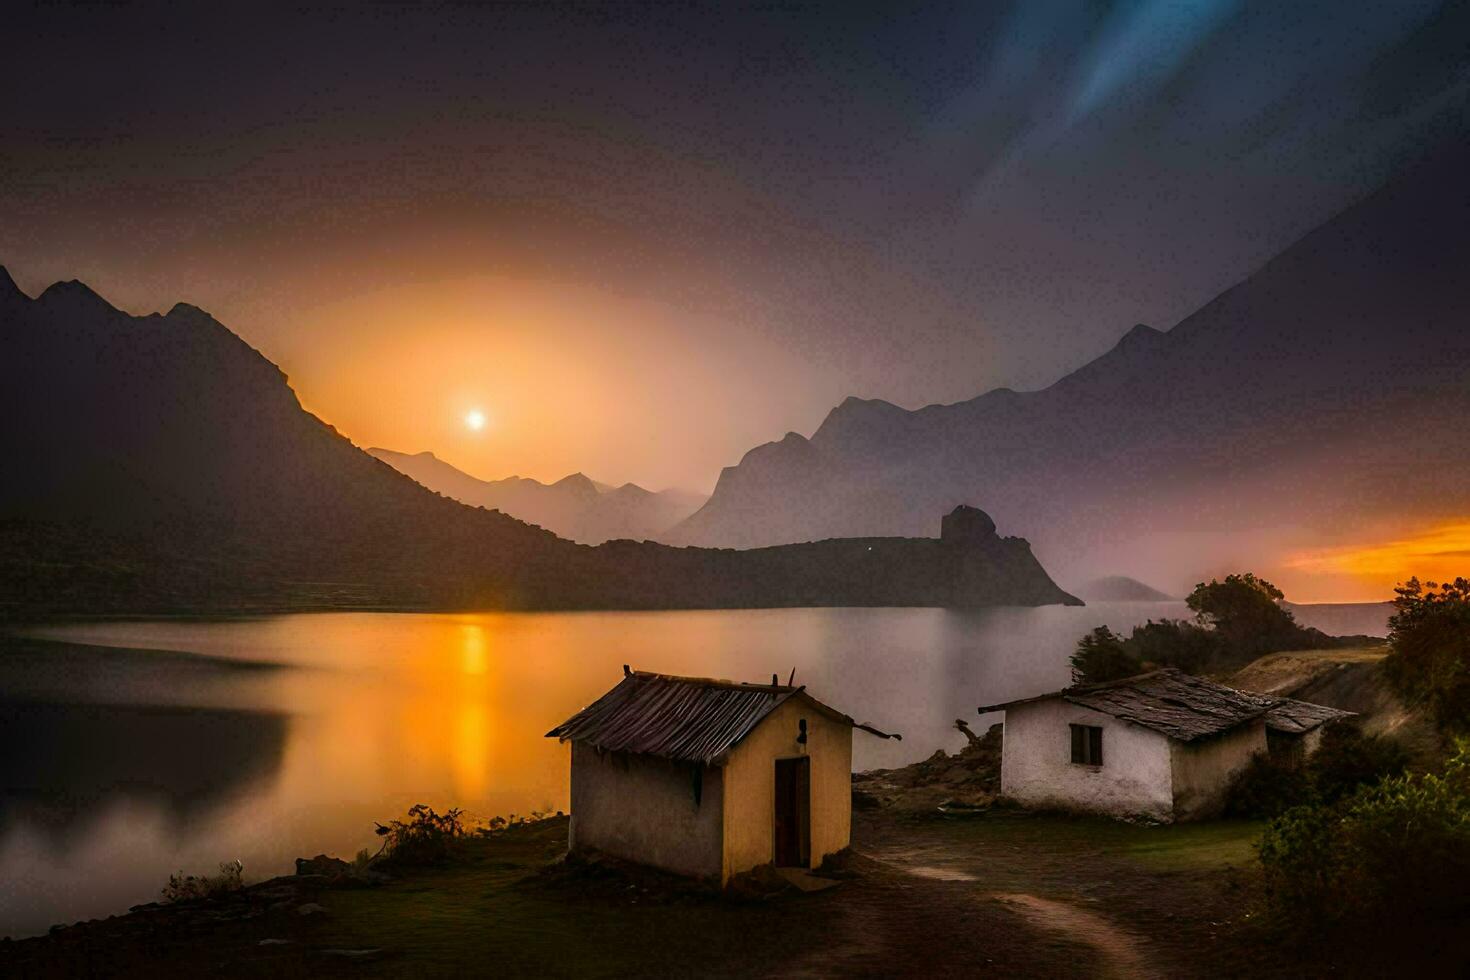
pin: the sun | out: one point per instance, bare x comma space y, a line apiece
474, 420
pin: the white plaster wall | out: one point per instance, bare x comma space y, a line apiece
1203, 769
642, 809
1135, 779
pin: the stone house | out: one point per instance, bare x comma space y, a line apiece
1162, 745
710, 778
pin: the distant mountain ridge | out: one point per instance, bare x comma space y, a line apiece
1299, 397
1121, 588
574, 507
159, 465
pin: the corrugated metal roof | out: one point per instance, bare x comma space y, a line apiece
693, 719
1186, 707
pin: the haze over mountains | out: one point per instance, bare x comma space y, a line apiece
159, 464
1121, 588
574, 507
1315, 400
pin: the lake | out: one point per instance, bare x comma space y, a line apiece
141, 748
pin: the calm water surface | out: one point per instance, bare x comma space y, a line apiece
184, 744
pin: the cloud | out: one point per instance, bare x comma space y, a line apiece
1141, 45
1435, 553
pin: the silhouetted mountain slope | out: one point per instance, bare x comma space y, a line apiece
1307, 395
574, 507
160, 464
1121, 588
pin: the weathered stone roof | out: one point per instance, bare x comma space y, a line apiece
1185, 707
693, 719
1299, 717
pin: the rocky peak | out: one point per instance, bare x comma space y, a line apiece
74, 297
577, 483
858, 420
9, 291
966, 525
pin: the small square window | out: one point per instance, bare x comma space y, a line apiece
1087, 745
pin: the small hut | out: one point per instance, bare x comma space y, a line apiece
1162, 745
1294, 728
710, 778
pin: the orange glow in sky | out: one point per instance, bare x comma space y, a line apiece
1371, 570
502, 376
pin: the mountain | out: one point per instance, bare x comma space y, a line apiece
159, 464
1316, 395
1121, 588
574, 507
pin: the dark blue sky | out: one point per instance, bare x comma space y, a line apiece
914, 205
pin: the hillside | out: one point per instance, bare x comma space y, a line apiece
574, 507
159, 464
1294, 399
1351, 679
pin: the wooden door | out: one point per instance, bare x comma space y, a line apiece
793, 813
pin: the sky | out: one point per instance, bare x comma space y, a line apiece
643, 239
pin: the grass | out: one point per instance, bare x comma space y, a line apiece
493, 908
1182, 891
1375, 651
1198, 846
493, 911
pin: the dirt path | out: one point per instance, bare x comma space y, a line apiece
1120, 951
924, 921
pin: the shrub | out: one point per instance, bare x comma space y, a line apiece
1267, 788
1348, 759
1236, 621
1101, 656
1396, 851
1175, 643
424, 838
183, 888
1429, 663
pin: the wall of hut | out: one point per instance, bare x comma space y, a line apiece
1202, 769
644, 809
1135, 779
750, 783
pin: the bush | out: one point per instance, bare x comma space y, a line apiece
1348, 759
424, 838
184, 888
1236, 621
1397, 851
1267, 788
1101, 656
1175, 643
1429, 664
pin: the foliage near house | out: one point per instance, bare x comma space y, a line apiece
1347, 760
1397, 852
1429, 665
186, 888
1236, 621
424, 838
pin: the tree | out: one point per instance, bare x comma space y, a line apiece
1102, 656
1429, 663
1246, 614
1236, 621
1174, 643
